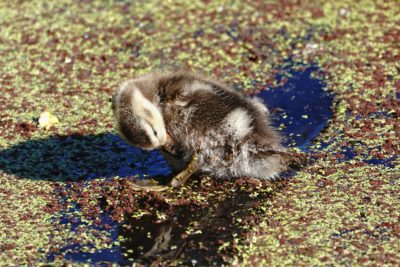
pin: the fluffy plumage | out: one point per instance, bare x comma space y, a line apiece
229, 134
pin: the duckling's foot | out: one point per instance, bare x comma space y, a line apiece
148, 185
184, 175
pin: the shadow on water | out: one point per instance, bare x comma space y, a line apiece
196, 234
76, 157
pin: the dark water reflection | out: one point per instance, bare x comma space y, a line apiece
194, 235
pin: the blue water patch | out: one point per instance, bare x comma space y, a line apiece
387, 162
348, 153
302, 106
74, 252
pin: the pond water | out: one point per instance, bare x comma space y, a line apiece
301, 106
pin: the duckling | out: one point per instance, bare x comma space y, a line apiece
200, 125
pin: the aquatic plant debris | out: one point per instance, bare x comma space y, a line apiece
47, 120
65, 192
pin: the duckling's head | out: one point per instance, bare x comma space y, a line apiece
138, 120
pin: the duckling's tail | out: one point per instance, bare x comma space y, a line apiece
268, 164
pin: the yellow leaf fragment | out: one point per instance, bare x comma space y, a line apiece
46, 120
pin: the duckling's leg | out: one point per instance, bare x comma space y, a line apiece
179, 180
182, 177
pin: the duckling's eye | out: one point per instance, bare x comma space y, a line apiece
155, 132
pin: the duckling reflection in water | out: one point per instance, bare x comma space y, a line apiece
199, 125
